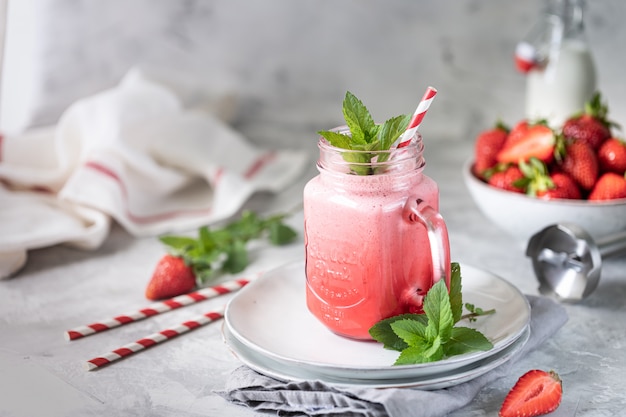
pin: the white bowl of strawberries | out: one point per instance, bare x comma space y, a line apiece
533, 176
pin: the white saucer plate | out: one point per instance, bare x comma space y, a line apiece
286, 373
270, 318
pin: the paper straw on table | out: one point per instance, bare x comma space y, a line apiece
417, 118
154, 339
158, 308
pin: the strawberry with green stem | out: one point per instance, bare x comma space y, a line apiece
486, 147
214, 251
578, 159
592, 125
541, 184
507, 177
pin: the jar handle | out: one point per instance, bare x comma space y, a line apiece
417, 210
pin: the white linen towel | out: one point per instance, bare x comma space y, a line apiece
133, 154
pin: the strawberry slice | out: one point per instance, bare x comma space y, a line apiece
533, 141
536, 393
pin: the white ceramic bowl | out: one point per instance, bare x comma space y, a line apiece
522, 216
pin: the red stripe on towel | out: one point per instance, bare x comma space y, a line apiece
102, 169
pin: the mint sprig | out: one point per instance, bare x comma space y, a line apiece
432, 336
366, 137
224, 249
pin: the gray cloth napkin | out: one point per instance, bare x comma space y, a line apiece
314, 398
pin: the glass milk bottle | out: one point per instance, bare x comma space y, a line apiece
561, 74
375, 242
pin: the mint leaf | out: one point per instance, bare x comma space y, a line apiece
412, 355
224, 249
336, 139
358, 119
365, 135
456, 298
432, 336
475, 312
412, 332
438, 311
464, 340
424, 351
178, 244
392, 129
237, 257
281, 234
383, 333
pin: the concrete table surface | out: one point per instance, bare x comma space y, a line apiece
41, 374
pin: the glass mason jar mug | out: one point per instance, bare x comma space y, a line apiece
375, 242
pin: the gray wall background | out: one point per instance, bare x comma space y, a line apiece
291, 61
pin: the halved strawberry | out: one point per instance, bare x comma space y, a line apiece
609, 186
526, 141
536, 393
171, 277
488, 144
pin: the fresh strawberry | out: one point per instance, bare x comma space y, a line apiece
518, 132
524, 142
536, 393
487, 145
170, 278
612, 156
591, 126
609, 186
508, 177
579, 160
563, 186
546, 186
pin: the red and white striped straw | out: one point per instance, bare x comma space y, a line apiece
154, 339
417, 118
158, 308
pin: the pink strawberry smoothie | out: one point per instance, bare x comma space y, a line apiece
365, 259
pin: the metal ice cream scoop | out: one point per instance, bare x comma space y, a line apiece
568, 261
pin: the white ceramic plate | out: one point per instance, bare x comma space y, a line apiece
282, 372
269, 316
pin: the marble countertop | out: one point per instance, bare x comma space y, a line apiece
42, 374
